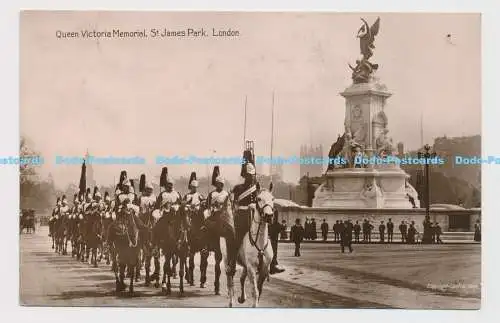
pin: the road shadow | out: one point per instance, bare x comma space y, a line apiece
70, 295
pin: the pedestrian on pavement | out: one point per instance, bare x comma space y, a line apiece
283, 233
412, 232
357, 230
365, 230
274, 231
297, 235
403, 229
370, 229
345, 236
336, 228
477, 231
307, 230
324, 230
381, 231
390, 230
432, 227
314, 230
438, 231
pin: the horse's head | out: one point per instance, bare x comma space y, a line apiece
265, 204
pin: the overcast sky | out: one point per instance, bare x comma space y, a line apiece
149, 97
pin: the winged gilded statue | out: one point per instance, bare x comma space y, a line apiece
366, 37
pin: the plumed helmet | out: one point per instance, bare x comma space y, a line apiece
191, 179
248, 159
163, 177
142, 183
215, 174
123, 176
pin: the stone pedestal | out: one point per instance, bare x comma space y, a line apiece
364, 188
372, 186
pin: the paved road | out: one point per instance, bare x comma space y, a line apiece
374, 276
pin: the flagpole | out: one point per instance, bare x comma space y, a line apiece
272, 140
245, 124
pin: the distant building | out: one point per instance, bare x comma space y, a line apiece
307, 166
89, 173
401, 149
276, 171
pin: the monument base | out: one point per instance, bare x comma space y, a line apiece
384, 186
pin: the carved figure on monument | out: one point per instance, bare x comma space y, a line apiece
384, 144
366, 35
335, 150
364, 68
371, 190
412, 194
362, 73
357, 155
360, 135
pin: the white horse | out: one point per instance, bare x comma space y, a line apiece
255, 253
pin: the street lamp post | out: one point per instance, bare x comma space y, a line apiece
427, 154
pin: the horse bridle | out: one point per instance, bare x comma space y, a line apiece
253, 242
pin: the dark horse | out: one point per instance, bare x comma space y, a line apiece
170, 235
93, 237
62, 233
202, 240
148, 250
123, 236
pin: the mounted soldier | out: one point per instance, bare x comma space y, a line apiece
245, 199
147, 202
168, 199
193, 199
216, 223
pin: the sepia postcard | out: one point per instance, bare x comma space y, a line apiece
250, 159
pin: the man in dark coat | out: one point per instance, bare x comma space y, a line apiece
390, 230
345, 235
365, 230
274, 231
357, 230
381, 231
403, 229
324, 230
297, 235
336, 228
314, 230
438, 231
412, 232
283, 233
370, 229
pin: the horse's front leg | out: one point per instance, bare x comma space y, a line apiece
156, 273
243, 277
204, 253
167, 271
182, 265
131, 286
218, 260
121, 285
252, 276
147, 267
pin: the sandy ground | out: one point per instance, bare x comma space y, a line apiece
373, 276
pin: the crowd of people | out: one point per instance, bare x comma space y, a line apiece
345, 232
